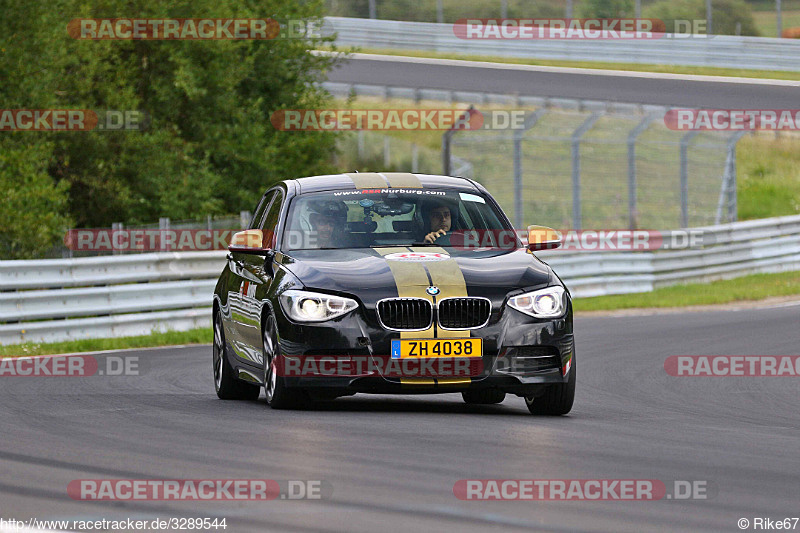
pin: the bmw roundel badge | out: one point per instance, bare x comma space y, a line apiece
432, 290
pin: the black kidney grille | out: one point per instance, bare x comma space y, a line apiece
405, 313
464, 313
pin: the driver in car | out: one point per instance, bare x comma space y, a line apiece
439, 220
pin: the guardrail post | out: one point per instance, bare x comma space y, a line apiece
414, 158
361, 146
530, 121
685, 140
632, 136
387, 152
575, 148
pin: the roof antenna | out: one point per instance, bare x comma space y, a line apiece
355, 172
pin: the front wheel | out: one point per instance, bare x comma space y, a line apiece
228, 387
279, 396
557, 400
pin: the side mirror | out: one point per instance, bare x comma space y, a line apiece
543, 238
250, 241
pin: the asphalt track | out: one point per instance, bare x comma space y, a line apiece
393, 461
616, 86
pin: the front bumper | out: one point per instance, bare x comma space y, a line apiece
521, 355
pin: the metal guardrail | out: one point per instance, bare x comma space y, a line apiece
729, 51
64, 299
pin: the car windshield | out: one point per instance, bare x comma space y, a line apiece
387, 217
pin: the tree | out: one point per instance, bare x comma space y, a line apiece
209, 146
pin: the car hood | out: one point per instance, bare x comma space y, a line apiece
373, 274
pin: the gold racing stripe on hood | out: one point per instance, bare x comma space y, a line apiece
367, 180
402, 180
411, 280
447, 276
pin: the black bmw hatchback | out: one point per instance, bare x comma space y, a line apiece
391, 283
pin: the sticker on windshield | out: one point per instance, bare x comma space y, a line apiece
417, 256
467, 197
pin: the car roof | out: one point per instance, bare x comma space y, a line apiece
380, 180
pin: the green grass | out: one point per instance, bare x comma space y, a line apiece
768, 176
194, 336
745, 288
603, 65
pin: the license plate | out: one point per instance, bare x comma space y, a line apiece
429, 348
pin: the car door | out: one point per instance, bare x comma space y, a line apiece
236, 286
256, 275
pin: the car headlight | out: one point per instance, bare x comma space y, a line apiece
544, 303
305, 306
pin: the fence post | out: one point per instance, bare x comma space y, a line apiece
361, 146
685, 140
244, 219
632, 136
163, 227
530, 121
447, 138
115, 227
576, 166
733, 206
387, 152
414, 158
373, 12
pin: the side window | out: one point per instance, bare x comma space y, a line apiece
271, 219
255, 223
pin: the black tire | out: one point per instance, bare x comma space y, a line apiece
483, 397
557, 399
226, 384
279, 396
